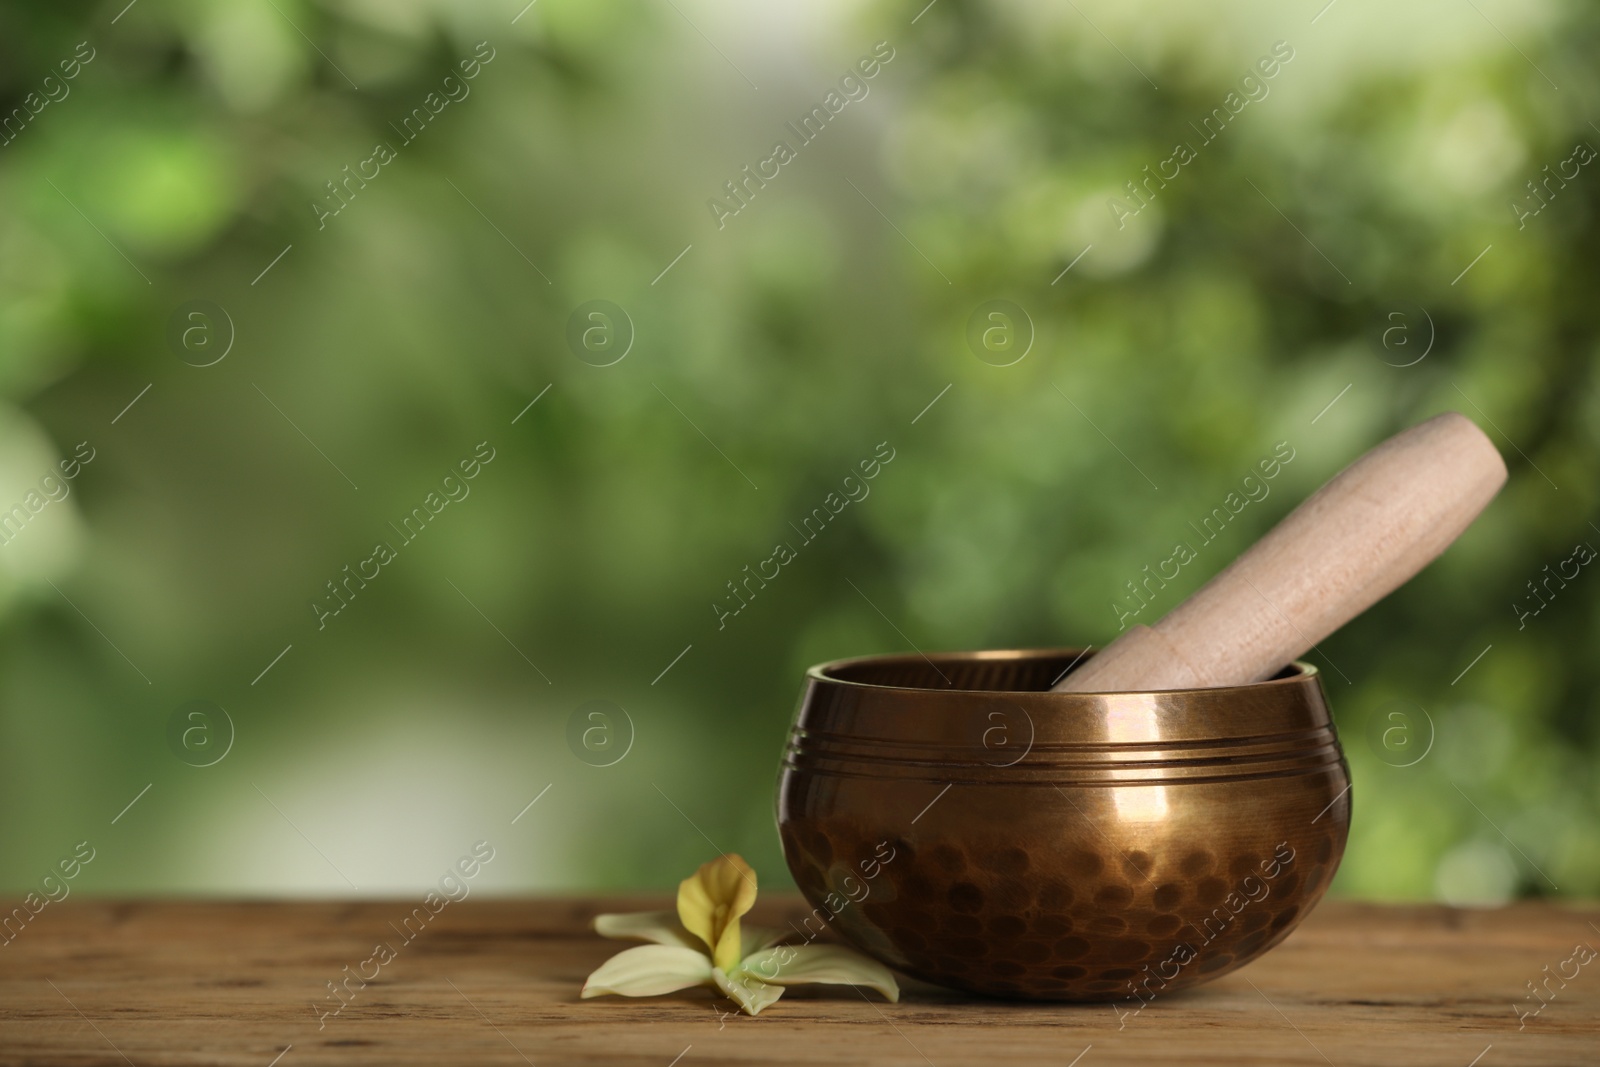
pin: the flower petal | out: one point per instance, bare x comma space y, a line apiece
662, 927
711, 901
793, 964
757, 938
648, 971
747, 991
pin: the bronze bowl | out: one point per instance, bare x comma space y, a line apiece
959, 822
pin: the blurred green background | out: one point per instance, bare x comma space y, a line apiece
1348, 238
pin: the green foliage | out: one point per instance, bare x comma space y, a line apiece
1216, 321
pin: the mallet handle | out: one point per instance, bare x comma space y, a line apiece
1377, 523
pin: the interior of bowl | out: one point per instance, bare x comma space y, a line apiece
1028, 671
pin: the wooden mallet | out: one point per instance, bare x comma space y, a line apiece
1377, 523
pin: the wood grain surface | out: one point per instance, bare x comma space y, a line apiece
496, 982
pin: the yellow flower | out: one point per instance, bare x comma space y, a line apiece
703, 945
711, 902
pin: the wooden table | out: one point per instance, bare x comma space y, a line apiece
496, 982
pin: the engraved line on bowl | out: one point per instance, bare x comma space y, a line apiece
1017, 780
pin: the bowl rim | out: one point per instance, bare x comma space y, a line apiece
1298, 672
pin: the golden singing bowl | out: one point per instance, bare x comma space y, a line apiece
957, 821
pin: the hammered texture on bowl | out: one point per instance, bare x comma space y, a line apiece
992, 837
